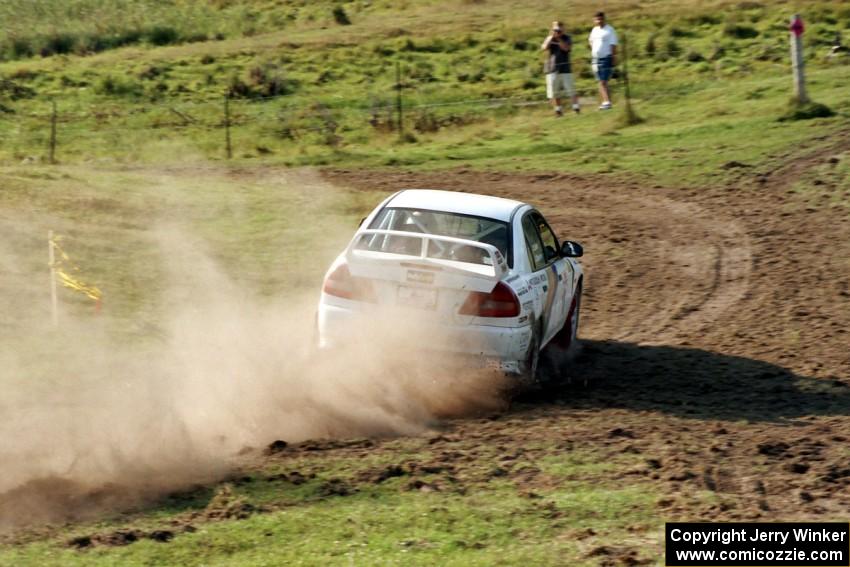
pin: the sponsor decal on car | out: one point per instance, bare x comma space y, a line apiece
420, 277
499, 258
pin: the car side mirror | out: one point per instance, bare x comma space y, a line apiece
570, 249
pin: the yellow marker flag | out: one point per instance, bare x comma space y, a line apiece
63, 265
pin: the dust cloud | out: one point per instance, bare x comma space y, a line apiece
91, 424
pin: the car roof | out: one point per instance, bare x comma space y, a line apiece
456, 202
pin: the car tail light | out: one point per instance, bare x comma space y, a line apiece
501, 302
341, 283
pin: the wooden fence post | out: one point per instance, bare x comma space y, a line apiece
228, 146
52, 150
399, 111
630, 117
627, 91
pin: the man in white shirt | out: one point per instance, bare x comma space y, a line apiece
603, 50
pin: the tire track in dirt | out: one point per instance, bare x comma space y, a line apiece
724, 261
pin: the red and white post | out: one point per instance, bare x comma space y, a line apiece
796, 28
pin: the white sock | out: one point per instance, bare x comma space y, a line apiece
575, 105
559, 108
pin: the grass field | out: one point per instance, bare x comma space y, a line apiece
139, 88
699, 79
385, 524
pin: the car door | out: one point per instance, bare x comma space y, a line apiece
547, 282
560, 274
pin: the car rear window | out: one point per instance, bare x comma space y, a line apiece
467, 227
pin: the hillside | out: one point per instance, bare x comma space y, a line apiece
308, 90
185, 419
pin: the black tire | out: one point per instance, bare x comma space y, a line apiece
562, 349
571, 325
567, 337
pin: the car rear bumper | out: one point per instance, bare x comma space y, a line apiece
500, 348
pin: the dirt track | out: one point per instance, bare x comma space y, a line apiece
717, 349
716, 355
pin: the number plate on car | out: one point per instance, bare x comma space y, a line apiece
418, 297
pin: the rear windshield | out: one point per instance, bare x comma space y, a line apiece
467, 227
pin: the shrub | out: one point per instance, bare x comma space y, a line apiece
162, 35
383, 50
15, 91
739, 31
340, 16
150, 72
262, 80
805, 111
672, 49
113, 86
20, 48
426, 121
650, 46
705, 20
693, 56
57, 43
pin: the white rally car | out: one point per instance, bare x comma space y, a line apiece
488, 272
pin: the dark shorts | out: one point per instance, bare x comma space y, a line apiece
602, 68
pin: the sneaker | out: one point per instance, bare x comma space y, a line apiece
605, 106
576, 108
559, 112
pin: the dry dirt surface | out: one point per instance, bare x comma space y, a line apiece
716, 341
715, 355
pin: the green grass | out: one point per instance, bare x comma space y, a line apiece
698, 80
492, 523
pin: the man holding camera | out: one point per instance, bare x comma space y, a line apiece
558, 69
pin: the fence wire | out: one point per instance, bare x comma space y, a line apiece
120, 127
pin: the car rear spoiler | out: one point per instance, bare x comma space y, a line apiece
448, 273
